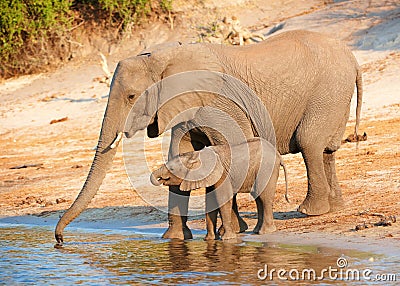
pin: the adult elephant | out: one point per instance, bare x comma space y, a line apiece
305, 80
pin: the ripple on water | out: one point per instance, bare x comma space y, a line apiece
28, 257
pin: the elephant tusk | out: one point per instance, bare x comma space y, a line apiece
116, 140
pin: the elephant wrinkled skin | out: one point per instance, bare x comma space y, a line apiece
305, 80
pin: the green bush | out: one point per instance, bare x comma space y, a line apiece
25, 25
30, 28
166, 5
126, 11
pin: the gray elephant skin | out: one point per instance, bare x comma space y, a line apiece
305, 80
221, 166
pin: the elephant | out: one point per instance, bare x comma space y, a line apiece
192, 170
304, 79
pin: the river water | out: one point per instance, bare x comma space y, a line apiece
112, 257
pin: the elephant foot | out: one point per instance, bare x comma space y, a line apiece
314, 207
174, 233
238, 226
267, 229
238, 223
221, 229
336, 204
256, 229
210, 236
242, 226
228, 235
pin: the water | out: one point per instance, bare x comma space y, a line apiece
27, 257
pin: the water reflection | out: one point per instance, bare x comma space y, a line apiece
27, 256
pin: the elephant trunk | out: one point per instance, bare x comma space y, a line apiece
154, 180
163, 176
105, 152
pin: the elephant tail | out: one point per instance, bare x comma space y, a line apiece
359, 101
286, 181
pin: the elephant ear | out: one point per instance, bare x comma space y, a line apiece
204, 170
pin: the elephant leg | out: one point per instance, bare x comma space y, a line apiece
317, 199
335, 195
265, 201
178, 204
224, 196
267, 224
211, 214
211, 225
313, 136
260, 215
226, 217
178, 201
321, 130
238, 223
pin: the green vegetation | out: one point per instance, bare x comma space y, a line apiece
126, 11
166, 5
30, 20
34, 33
25, 28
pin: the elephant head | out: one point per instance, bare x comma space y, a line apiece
193, 170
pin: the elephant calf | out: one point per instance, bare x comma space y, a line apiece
224, 167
